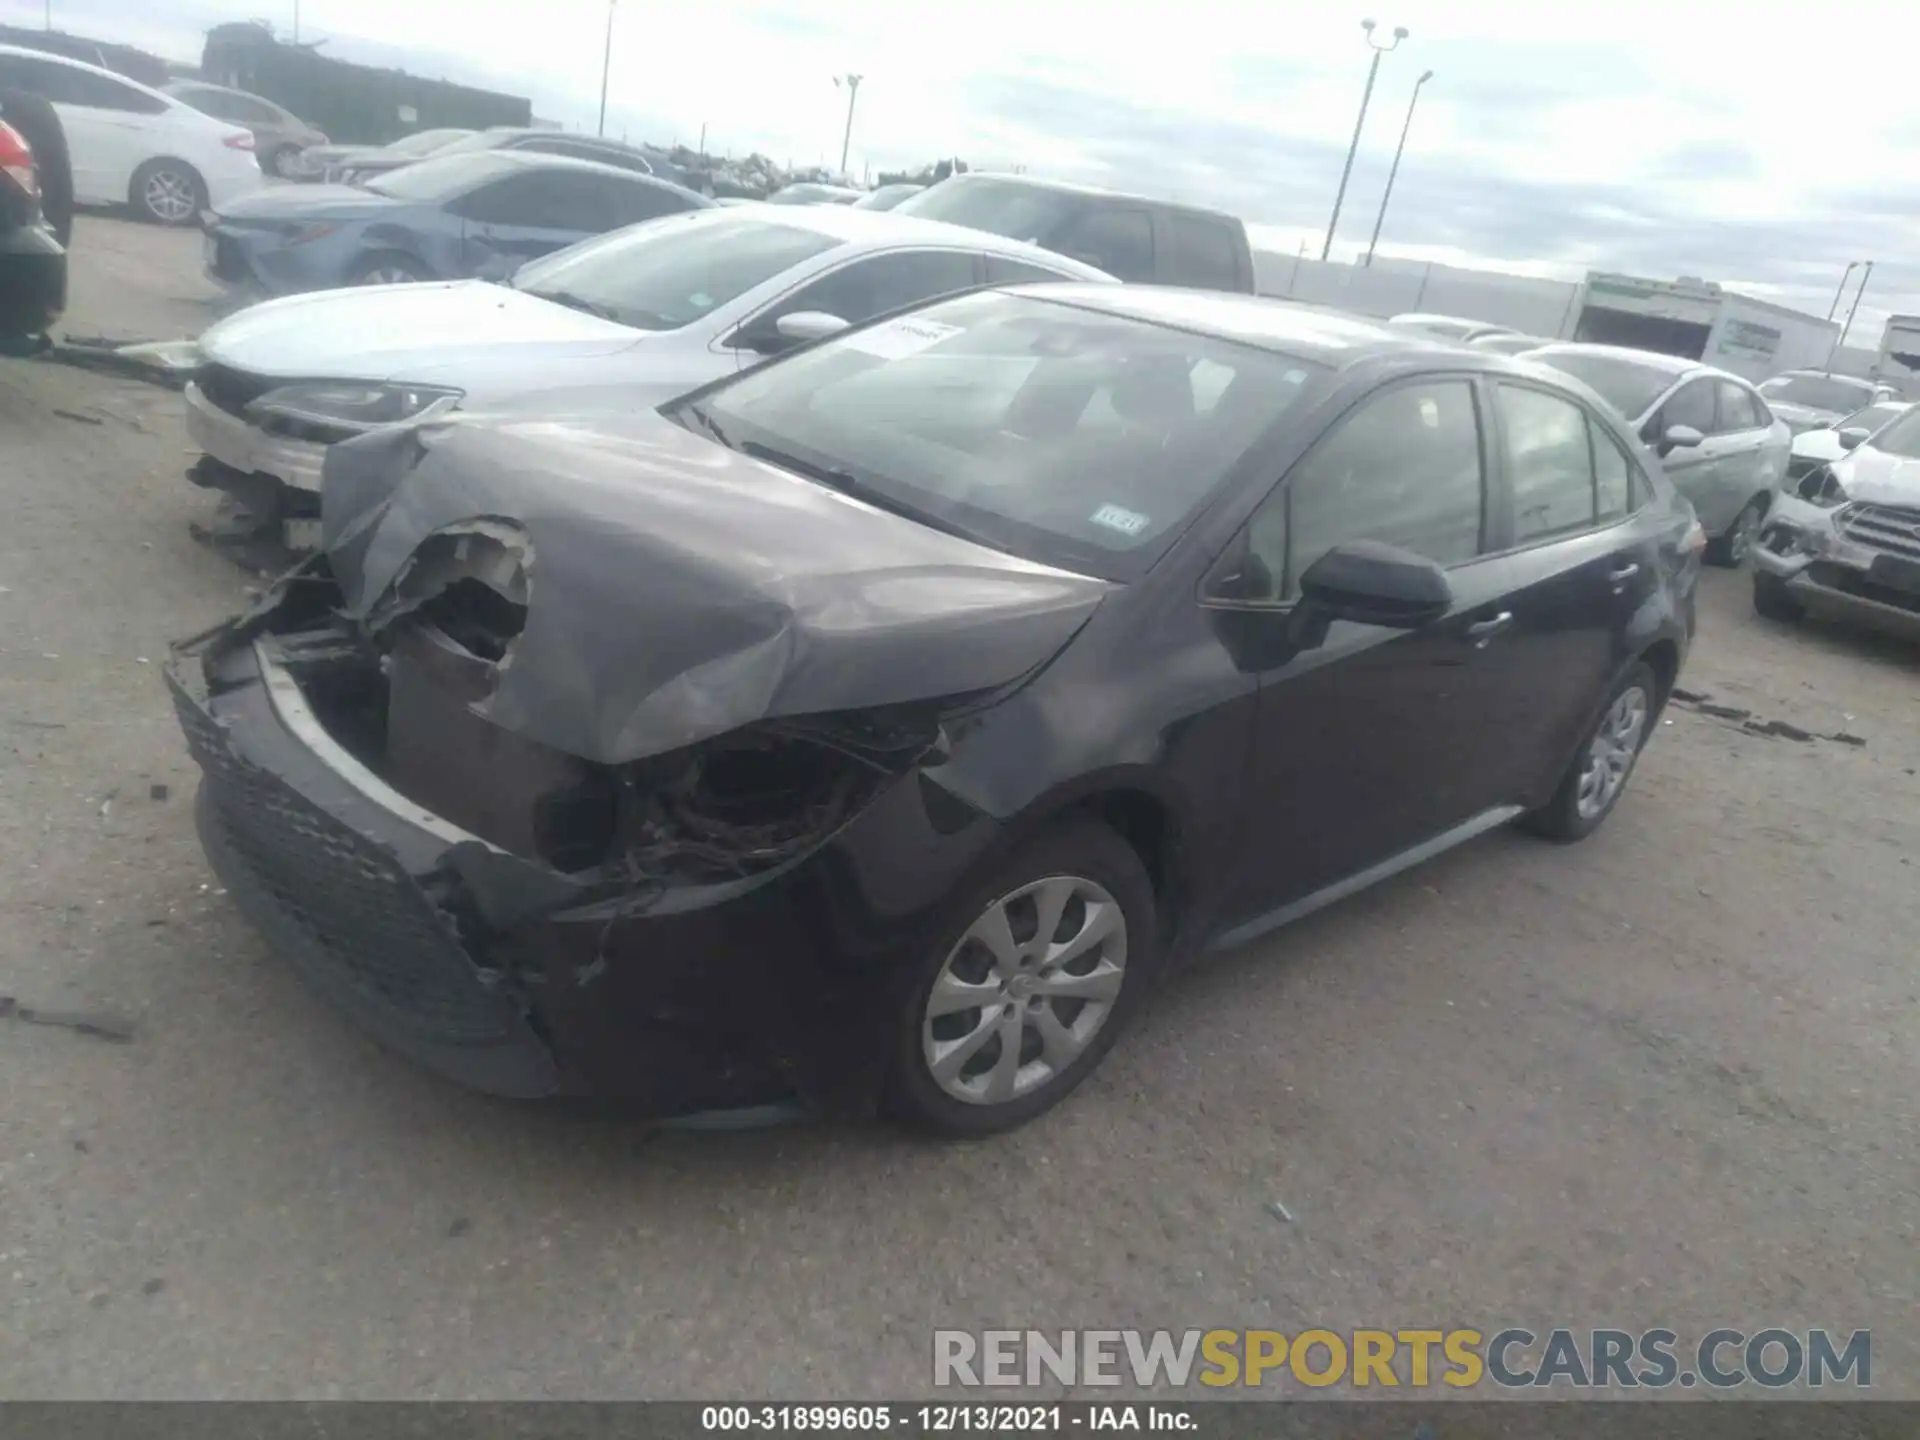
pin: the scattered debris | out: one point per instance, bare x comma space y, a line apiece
1723, 712
78, 418
153, 1286
1845, 739
101, 1027
459, 1227
106, 802
61, 725
1279, 1211
158, 790
81, 1146
1689, 697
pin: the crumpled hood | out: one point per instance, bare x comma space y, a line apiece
305, 202
679, 590
1879, 478
396, 332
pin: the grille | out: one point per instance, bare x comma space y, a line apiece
1893, 528
231, 390
340, 907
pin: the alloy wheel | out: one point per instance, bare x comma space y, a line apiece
1740, 538
1025, 990
388, 275
1610, 756
170, 196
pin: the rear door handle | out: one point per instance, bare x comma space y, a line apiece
1623, 574
1483, 631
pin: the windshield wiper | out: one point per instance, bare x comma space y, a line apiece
575, 302
850, 485
709, 424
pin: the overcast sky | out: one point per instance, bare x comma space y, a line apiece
1691, 137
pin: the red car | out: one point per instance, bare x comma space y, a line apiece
33, 262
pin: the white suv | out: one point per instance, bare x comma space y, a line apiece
134, 146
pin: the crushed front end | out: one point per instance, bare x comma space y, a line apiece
1826, 552
527, 923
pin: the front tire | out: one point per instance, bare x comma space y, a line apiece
1028, 986
168, 192
1732, 549
280, 161
387, 267
1598, 776
1773, 601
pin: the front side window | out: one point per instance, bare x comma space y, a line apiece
1115, 238
880, 283
1403, 468
1201, 251
1737, 409
540, 200
1628, 385
1692, 404
978, 415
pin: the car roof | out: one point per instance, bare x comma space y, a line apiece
886, 227
1811, 374
1069, 187
1674, 365
1334, 338
58, 59
537, 161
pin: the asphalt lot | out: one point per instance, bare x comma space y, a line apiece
1664, 1078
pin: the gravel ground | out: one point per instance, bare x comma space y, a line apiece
1666, 1077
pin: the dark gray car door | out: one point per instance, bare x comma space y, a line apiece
507, 222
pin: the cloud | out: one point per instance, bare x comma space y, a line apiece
1552, 144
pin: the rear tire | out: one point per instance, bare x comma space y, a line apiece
1598, 776
1732, 549
168, 192
1048, 1012
280, 161
1773, 601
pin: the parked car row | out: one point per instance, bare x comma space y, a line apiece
33, 260
873, 724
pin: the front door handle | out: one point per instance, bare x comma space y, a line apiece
1623, 574
1484, 630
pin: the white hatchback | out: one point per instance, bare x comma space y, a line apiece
130, 145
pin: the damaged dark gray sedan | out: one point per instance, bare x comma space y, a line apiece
874, 726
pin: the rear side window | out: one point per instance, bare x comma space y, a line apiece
82, 87
544, 200
1199, 251
1692, 404
573, 149
880, 283
633, 202
1115, 238
1403, 468
1565, 472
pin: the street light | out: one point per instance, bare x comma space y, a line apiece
1868, 275
852, 82
1373, 72
1387, 194
606, 66
1841, 288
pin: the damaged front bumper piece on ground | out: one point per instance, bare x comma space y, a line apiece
672, 933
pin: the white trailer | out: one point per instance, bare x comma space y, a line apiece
1698, 320
1898, 363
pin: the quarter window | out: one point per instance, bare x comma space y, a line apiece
1403, 468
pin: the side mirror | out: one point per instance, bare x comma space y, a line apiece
1854, 436
1372, 583
1680, 437
804, 325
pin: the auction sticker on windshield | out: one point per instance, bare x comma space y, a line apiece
1118, 517
899, 338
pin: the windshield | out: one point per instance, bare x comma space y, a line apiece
1902, 437
425, 142
438, 178
886, 197
1000, 207
1872, 417
663, 274
1817, 392
1630, 386
1063, 435
812, 195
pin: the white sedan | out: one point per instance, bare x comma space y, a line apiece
645, 313
130, 145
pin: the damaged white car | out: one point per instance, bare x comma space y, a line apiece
1843, 540
656, 309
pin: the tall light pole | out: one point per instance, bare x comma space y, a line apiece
1387, 194
606, 67
1841, 288
1856, 303
1373, 73
852, 82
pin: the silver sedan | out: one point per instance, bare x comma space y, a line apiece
1724, 448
